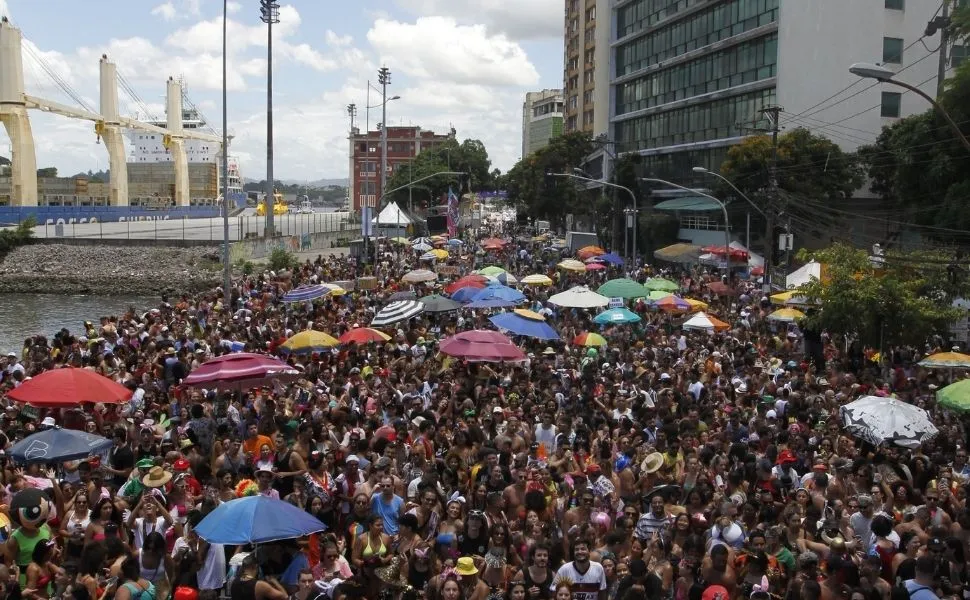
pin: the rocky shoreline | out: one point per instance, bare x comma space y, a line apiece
127, 270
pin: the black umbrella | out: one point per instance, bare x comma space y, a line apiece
397, 296
436, 304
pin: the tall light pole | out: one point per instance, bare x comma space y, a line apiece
269, 12
384, 78
614, 186
226, 267
870, 71
727, 224
768, 240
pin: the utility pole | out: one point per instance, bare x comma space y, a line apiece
269, 13
772, 113
384, 77
226, 267
941, 24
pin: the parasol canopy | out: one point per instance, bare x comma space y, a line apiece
474, 280
525, 323
588, 338
239, 371
306, 293
503, 278
494, 242
673, 303
421, 247
878, 419
58, 445
595, 266
419, 276
579, 297
659, 284
438, 304
309, 341
658, 295
496, 291
705, 322
788, 315
588, 251
466, 294
490, 271
610, 258
721, 289
364, 335
537, 279
397, 311
946, 360
696, 305
622, 288
617, 316
256, 520
66, 387
955, 396
481, 345
398, 296
571, 264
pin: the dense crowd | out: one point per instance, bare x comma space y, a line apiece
666, 464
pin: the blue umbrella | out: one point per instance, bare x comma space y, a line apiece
255, 520
455, 242
519, 325
616, 316
493, 303
58, 445
499, 292
465, 294
610, 258
307, 292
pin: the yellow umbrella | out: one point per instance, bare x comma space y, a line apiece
529, 314
309, 341
335, 290
439, 253
571, 264
537, 279
401, 240
787, 315
695, 305
782, 297
946, 360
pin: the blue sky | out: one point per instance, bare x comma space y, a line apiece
461, 63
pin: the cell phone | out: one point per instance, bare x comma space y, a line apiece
111, 582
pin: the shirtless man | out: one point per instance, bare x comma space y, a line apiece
715, 569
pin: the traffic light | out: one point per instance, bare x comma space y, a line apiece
550, 179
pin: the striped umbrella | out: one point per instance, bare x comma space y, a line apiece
364, 335
789, 315
571, 264
419, 275
946, 360
309, 341
588, 338
397, 311
672, 303
240, 371
537, 279
305, 293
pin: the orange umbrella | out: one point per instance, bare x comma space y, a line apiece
590, 251
493, 242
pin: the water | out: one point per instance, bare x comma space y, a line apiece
24, 315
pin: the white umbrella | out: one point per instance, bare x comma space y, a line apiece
428, 256
704, 322
876, 420
421, 247
419, 275
397, 311
421, 240
579, 297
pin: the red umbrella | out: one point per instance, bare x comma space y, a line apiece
494, 242
735, 253
481, 345
60, 388
474, 280
240, 371
363, 335
721, 289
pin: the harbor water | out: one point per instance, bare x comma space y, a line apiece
25, 315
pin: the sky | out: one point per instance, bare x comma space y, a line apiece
465, 64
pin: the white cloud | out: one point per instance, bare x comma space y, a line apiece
439, 48
530, 20
233, 7
333, 39
166, 11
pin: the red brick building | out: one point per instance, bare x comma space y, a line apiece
403, 145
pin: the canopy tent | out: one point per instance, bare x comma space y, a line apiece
805, 274
393, 221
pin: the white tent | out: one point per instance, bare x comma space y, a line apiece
803, 275
754, 260
392, 216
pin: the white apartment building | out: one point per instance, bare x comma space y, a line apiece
528, 115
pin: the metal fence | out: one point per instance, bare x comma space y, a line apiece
201, 230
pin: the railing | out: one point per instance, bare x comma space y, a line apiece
703, 223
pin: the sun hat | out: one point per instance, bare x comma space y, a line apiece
652, 463
466, 566
145, 463
156, 478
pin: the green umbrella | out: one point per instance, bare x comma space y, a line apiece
658, 295
491, 271
661, 284
622, 288
955, 396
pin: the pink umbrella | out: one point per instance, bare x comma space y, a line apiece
595, 266
240, 371
481, 345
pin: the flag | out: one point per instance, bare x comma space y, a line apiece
452, 213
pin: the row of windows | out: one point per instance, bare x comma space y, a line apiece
709, 121
644, 13
744, 63
678, 166
699, 30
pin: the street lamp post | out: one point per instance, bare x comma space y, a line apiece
269, 13
768, 234
870, 71
384, 78
727, 224
226, 267
614, 186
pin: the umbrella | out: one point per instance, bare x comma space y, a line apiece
403, 241
589, 339
946, 360
256, 520
401, 310
587, 251
58, 445
537, 279
571, 264
480, 345
659, 284
622, 288
491, 270
496, 291
238, 371
493, 242
955, 396
398, 296
610, 258
305, 293
67, 387
789, 315
791, 298
705, 322
455, 242
427, 256
678, 253
672, 303
696, 305
437, 304
421, 240
364, 335
579, 297
493, 246
491, 303
503, 278
309, 341
736, 254
617, 316
466, 294
721, 289
474, 280
419, 275
335, 290
877, 419
526, 323
439, 253
657, 295
421, 247
595, 266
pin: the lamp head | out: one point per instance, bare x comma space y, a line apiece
700, 170
394, 98
871, 71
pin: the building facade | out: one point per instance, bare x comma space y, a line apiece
690, 78
586, 60
403, 145
542, 119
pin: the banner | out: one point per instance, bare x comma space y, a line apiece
452, 213
366, 226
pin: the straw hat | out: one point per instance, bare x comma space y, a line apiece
466, 566
156, 478
652, 463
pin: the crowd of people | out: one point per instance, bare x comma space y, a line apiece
667, 464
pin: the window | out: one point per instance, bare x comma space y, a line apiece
891, 104
573, 102
895, 4
957, 55
591, 14
892, 50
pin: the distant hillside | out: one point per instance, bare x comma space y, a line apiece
319, 183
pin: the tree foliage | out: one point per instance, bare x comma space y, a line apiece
47, 172
902, 299
469, 156
17, 236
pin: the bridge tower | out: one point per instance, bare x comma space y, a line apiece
175, 141
112, 133
13, 115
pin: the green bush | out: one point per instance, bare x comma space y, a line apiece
280, 259
12, 238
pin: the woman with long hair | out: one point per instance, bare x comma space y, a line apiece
372, 550
154, 563
73, 527
42, 571
105, 513
131, 585
248, 585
